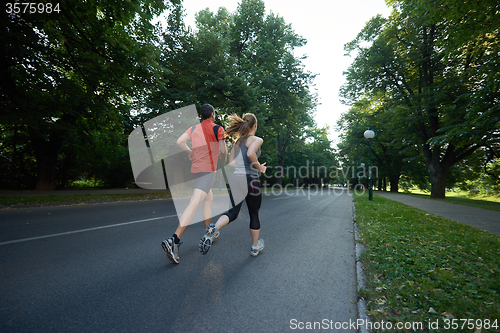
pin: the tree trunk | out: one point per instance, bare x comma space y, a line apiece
394, 180
46, 152
438, 173
438, 170
46, 178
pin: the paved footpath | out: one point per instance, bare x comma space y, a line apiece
483, 219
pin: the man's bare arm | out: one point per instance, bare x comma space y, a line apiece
182, 142
222, 149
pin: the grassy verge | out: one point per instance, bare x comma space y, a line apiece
61, 199
424, 268
462, 198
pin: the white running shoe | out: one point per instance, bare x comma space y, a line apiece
206, 241
172, 249
256, 250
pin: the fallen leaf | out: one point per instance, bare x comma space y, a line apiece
431, 310
374, 312
448, 315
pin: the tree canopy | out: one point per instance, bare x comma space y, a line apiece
433, 68
68, 79
77, 82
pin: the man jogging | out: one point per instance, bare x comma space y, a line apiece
207, 142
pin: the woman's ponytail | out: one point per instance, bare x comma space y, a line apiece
240, 127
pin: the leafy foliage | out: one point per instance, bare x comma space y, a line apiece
77, 83
242, 62
70, 72
433, 72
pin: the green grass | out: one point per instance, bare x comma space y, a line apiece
416, 261
72, 199
491, 202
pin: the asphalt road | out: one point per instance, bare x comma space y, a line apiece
101, 268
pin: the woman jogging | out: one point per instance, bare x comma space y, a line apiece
244, 183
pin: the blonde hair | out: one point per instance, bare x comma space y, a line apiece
240, 127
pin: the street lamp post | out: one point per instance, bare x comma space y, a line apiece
369, 134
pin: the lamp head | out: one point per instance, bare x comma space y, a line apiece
369, 134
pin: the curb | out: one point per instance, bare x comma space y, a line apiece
360, 275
